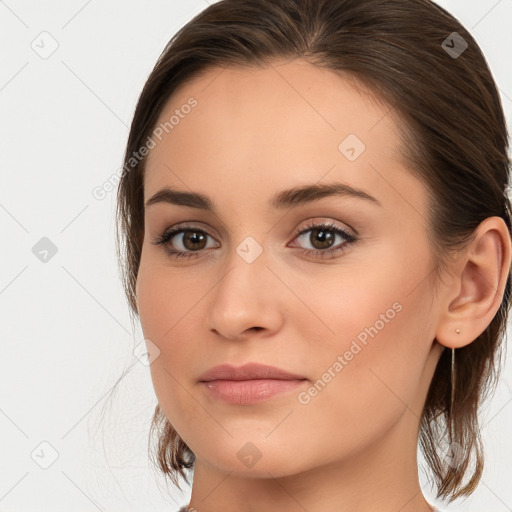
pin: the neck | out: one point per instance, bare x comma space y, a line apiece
383, 477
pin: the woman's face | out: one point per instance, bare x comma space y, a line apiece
356, 320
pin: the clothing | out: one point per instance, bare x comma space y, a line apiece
184, 509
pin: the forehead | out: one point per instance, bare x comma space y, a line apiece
284, 124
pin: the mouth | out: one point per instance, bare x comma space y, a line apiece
250, 383
248, 371
245, 392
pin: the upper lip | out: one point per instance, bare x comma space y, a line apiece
248, 371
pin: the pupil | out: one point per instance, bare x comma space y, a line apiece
194, 238
324, 239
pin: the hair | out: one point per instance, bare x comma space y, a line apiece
453, 137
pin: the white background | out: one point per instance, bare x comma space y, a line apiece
66, 332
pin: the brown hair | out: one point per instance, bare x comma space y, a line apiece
454, 139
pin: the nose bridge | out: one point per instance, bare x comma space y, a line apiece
245, 295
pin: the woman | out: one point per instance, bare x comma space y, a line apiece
315, 234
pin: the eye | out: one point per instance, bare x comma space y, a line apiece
193, 240
322, 237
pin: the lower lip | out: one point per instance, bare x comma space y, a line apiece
243, 392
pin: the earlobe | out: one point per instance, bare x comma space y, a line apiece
478, 282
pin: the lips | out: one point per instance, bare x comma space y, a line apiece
249, 371
250, 392
249, 384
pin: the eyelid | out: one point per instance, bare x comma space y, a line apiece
311, 223
327, 224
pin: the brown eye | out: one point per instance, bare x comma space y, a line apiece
183, 242
322, 237
194, 240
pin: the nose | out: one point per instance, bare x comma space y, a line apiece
247, 300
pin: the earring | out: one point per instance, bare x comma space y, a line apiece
457, 331
452, 390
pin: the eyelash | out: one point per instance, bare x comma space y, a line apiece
166, 237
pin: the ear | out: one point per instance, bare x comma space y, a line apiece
475, 290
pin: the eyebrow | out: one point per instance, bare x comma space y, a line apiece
285, 199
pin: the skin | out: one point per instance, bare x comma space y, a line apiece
255, 132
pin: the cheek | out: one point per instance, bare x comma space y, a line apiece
365, 304
170, 315
164, 298
368, 373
